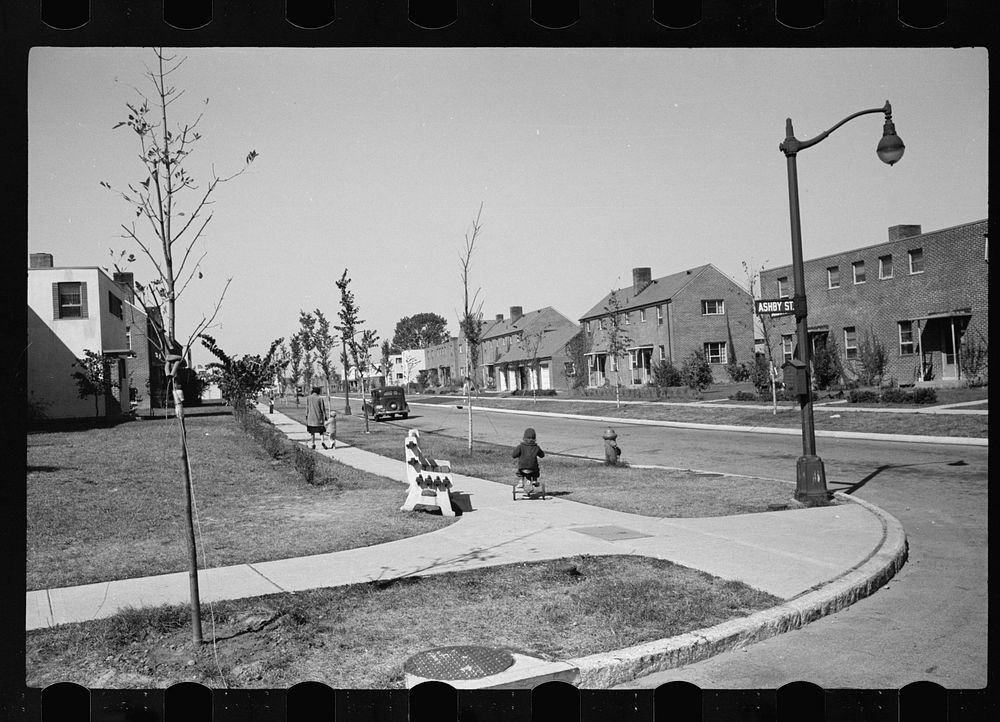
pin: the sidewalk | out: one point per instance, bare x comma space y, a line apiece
817, 560
786, 431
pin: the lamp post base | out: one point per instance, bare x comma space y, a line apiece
810, 481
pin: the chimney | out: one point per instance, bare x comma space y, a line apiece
499, 317
641, 277
897, 233
126, 280
515, 314
40, 260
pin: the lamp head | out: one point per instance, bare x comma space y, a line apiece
890, 147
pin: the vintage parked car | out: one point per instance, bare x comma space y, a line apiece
388, 401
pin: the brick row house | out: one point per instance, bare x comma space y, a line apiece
527, 351
75, 309
668, 319
920, 295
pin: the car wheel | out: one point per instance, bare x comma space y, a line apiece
403, 416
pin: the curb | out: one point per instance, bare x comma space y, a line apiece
951, 440
608, 669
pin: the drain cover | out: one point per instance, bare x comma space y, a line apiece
610, 532
469, 662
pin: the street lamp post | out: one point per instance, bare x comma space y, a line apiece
810, 475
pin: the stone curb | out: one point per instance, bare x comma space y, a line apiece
952, 440
607, 669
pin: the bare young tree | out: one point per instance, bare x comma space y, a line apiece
170, 211
471, 322
323, 342
617, 339
530, 344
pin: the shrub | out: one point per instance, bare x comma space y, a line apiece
304, 463
974, 358
827, 367
924, 395
759, 374
737, 371
872, 360
897, 396
666, 375
696, 371
862, 396
744, 396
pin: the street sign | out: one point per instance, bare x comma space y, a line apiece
774, 307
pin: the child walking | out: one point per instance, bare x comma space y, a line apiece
330, 431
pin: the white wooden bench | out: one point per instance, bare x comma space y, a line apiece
429, 479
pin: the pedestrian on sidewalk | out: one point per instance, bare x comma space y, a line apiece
331, 431
315, 415
527, 453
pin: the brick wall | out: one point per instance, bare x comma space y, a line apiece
954, 279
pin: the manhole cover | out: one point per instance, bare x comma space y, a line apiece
610, 532
458, 663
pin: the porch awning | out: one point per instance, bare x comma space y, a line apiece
962, 312
119, 352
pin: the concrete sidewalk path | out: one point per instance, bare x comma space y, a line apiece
789, 554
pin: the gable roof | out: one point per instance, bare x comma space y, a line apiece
552, 342
545, 317
659, 290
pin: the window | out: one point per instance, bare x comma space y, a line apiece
614, 363
851, 342
659, 315
114, 305
642, 315
833, 277
602, 324
586, 326
885, 266
628, 317
70, 300
786, 347
859, 271
715, 352
713, 307
905, 338
663, 353
128, 337
783, 287
916, 260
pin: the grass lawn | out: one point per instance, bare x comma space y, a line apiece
108, 503
827, 417
651, 492
359, 636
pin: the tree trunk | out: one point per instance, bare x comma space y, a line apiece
191, 545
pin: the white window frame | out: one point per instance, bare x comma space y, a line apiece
723, 352
830, 271
910, 255
882, 275
659, 315
782, 283
850, 347
78, 305
642, 315
663, 352
911, 343
855, 266
720, 308
787, 347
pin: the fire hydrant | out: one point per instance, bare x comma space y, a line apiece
611, 450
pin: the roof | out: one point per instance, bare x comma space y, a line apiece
552, 342
659, 290
543, 317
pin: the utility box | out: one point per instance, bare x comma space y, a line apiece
796, 378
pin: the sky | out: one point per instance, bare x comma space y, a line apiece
587, 163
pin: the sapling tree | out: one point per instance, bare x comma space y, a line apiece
471, 321
323, 343
93, 378
295, 363
616, 339
170, 211
243, 378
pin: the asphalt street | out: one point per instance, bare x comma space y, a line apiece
928, 623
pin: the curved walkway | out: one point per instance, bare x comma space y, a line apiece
818, 560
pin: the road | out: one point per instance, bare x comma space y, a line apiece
928, 623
